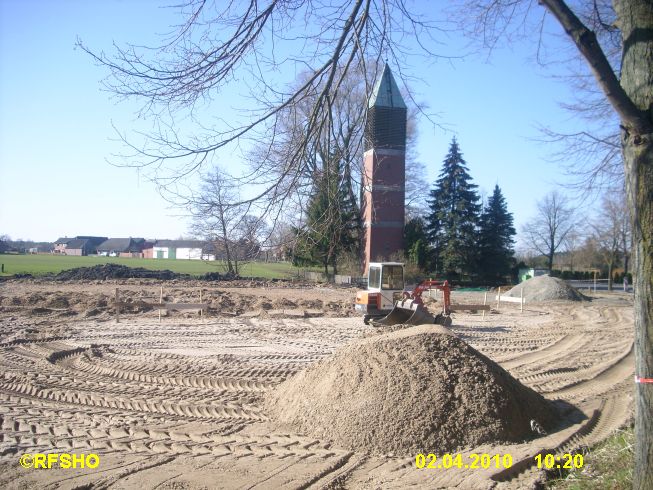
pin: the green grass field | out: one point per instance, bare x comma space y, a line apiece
45, 263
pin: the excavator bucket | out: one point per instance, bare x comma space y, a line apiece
443, 320
407, 312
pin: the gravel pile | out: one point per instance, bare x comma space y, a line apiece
546, 288
420, 389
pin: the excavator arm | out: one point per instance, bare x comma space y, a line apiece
416, 294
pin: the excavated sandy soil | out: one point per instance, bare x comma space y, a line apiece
95, 299
180, 404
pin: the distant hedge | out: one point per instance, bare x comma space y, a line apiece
573, 275
588, 276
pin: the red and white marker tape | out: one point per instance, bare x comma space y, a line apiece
643, 380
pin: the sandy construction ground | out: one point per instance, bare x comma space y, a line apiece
178, 404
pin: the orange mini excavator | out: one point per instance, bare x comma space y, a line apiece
386, 302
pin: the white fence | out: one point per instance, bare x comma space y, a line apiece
337, 279
314, 276
511, 299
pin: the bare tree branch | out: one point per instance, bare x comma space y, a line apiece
585, 39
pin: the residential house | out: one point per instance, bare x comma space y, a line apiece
122, 247
83, 245
148, 249
60, 245
80, 245
181, 249
77, 246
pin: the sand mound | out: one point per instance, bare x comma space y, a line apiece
414, 390
546, 288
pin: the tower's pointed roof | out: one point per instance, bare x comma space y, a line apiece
386, 93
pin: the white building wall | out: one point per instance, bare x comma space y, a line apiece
189, 253
155, 255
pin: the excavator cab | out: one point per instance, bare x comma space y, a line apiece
385, 286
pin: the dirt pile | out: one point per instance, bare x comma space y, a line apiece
414, 390
115, 271
546, 288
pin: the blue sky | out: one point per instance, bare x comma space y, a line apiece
56, 121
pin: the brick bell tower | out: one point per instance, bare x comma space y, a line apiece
384, 171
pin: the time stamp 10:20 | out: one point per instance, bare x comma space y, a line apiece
485, 461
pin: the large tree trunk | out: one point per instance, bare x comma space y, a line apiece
639, 172
227, 251
638, 160
636, 24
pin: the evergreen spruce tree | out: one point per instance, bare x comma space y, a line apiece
332, 220
453, 218
496, 239
312, 246
350, 214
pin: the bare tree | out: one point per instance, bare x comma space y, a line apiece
219, 219
572, 244
280, 242
591, 156
588, 255
220, 46
550, 228
609, 228
251, 232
